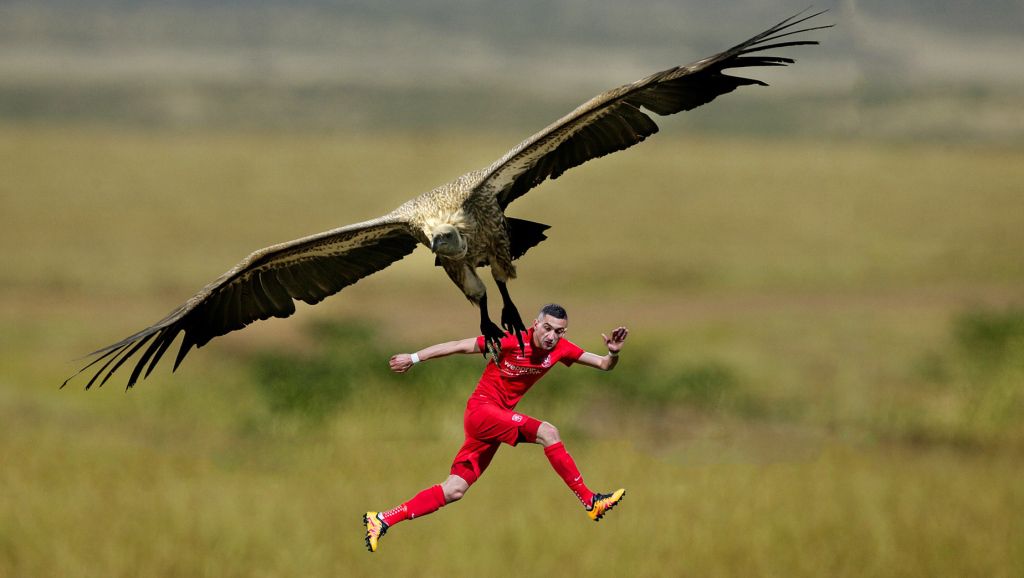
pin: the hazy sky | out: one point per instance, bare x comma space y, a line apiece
560, 44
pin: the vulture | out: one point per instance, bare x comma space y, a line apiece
462, 222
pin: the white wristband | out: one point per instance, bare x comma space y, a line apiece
613, 353
415, 358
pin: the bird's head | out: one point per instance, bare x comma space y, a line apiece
446, 241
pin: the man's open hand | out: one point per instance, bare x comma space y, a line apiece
614, 343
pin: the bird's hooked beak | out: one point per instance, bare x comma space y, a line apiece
447, 242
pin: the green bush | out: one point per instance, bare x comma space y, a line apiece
990, 338
347, 356
317, 382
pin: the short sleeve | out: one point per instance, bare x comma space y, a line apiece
571, 354
508, 343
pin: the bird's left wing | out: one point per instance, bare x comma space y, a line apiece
262, 286
613, 121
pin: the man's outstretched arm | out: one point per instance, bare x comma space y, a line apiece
401, 362
614, 345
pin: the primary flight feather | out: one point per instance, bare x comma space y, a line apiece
462, 222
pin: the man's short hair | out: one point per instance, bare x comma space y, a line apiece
554, 310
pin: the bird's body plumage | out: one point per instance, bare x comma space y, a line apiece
463, 222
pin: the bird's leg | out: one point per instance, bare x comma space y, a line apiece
491, 332
473, 288
510, 318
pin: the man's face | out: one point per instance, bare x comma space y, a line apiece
547, 331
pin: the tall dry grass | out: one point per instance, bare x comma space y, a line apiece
809, 388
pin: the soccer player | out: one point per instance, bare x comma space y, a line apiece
491, 419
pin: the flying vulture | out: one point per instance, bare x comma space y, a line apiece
462, 222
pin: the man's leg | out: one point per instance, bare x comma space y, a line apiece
471, 461
562, 462
565, 466
426, 502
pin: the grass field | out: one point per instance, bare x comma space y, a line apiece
825, 373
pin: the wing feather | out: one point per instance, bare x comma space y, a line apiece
263, 285
614, 121
165, 343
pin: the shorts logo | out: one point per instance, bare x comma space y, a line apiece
517, 418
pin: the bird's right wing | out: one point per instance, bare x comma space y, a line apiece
613, 120
262, 286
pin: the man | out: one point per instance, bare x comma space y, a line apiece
491, 420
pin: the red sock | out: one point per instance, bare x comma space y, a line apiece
426, 502
566, 467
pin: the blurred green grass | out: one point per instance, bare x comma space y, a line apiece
824, 375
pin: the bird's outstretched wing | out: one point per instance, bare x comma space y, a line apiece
263, 286
613, 121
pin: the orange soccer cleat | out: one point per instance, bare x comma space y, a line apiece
603, 503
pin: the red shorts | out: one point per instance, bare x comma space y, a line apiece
487, 427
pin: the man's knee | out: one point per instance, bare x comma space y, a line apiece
547, 434
454, 488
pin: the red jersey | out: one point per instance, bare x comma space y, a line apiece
506, 382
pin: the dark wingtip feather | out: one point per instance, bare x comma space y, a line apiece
113, 354
186, 344
787, 44
125, 357
167, 340
141, 364
798, 18
781, 30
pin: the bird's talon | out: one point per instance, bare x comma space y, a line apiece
513, 323
492, 339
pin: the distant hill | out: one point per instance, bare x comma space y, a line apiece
398, 62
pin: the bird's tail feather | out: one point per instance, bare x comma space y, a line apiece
524, 235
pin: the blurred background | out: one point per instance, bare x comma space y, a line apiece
909, 70
822, 278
